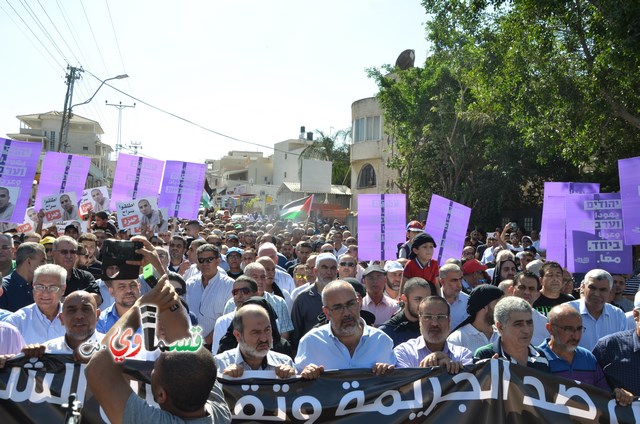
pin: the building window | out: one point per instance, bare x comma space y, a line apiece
367, 129
52, 141
528, 223
85, 148
285, 174
367, 177
285, 156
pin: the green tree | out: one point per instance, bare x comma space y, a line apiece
333, 148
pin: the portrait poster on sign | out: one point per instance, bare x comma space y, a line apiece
152, 219
94, 199
30, 221
7, 202
129, 217
60, 207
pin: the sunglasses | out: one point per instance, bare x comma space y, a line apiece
208, 260
244, 290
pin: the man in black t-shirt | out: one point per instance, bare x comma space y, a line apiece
551, 276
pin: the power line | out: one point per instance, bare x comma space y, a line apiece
113, 29
43, 29
193, 123
56, 28
94, 38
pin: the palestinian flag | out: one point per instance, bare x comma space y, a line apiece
298, 209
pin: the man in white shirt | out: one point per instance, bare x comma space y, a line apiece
208, 293
40, 321
451, 282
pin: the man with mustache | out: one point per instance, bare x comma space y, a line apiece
569, 360
252, 330
346, 341
431, 347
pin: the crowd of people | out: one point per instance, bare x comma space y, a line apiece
295, 298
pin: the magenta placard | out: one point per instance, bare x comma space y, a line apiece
381, 225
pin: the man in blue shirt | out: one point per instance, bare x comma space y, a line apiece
347, 341
619, 355
17, 286
569, 360
124, 293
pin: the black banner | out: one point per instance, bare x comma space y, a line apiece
496, 391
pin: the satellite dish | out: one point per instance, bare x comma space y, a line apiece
406, 59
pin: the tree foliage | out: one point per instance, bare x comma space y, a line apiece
512, 94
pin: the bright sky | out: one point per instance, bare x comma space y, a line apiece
254, 70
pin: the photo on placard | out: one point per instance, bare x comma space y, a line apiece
54, 211
152, 220
8, 197
68, 204
100, 199
30, 221
129, 217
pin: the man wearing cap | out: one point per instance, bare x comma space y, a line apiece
473, 275
72, 231
421, 263
404, 325
234, 259
451, 282
413, 229
477, 330
431, 348
47, 243
394, 278
17, 286
308, 305
376, 301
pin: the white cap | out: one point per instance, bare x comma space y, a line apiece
393, 266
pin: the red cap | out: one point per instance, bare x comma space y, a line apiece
473, 265
415, 226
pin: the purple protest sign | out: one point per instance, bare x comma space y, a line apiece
135, 177
381, 225
182, 188
629, 173
555, 220
447, 223
550, 209
595, 234
62, 173
18, 164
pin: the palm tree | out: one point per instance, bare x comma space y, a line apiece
333, 148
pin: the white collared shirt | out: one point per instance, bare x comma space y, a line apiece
59, 344
208, 303
34, 326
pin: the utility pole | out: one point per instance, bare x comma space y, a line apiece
120, 106
72, 76
135, 145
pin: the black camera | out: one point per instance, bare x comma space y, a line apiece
115, 254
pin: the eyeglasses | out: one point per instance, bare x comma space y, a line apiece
438, 318
327, 251
244, 290
208, 259
349, 264
570, 329
66, 252
340, 309
43, 288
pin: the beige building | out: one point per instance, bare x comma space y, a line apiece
83, 139
370, 152
285, 160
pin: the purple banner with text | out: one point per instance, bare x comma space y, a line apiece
182, 188
595, 237
381, 225
447, 223
62, 173
629, 172
135, 177
18, 164
553, 232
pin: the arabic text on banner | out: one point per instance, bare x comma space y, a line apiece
182, 185
629, 173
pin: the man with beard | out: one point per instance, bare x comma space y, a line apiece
394, 278
450, 277
79, 316
477, 330
404, 325
177, 249
569, 360
244, 287
431, 347
346, 341
124, 293
252, 330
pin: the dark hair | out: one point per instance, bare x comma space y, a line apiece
547, 265
253, 285
102, 215
526, 274
174, 276
198, 368
208, 248
180, 239
28, 250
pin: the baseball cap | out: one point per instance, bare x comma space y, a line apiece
373, 268
473, 265
325, 257
235, 250
415, 226
393, 266
47, 240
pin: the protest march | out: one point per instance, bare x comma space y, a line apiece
144, 302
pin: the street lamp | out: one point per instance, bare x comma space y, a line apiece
67, 113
